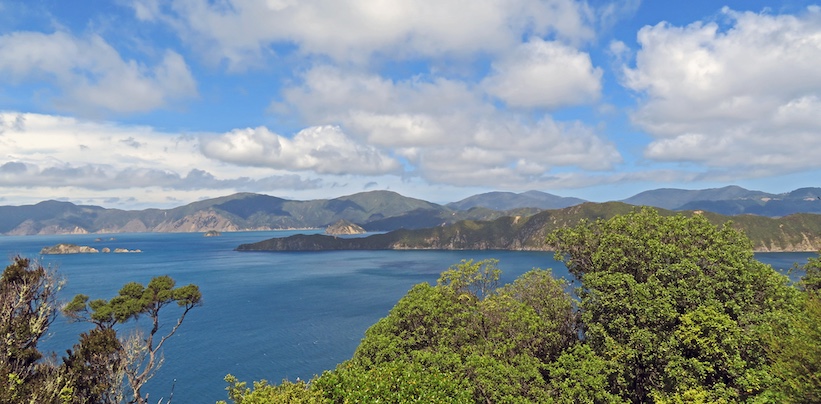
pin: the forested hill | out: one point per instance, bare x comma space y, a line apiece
799, 232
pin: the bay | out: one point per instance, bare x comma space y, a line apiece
265, 315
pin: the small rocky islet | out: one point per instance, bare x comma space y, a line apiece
65, 248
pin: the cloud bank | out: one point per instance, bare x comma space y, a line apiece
742, 99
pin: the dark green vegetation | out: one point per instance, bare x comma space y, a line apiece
102, 364
799, 232
670, 309
374, 211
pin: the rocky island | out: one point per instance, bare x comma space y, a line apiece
212, 233
68, 249
65, 248
344, 227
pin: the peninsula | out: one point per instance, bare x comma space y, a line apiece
799, 232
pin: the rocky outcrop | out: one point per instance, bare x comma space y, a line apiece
64, 248
212, 233
344, 227
125, 250
68, 249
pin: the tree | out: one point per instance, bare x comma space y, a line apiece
494, 342
796, 349
141, 353
27, 309
811, 281
678, 305
264, 393
93, 371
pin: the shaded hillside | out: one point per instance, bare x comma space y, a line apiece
732, 200
805, 200
794, 233
510, 200
672, 199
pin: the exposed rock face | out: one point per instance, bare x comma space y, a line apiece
212, 233
68, 249
343, 227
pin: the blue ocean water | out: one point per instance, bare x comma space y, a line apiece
265, 315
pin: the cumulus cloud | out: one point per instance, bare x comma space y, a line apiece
446, 129
241, 31
742, 98
62, 152
322, 149
90, 74
544, 74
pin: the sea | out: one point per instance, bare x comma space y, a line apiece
265, 315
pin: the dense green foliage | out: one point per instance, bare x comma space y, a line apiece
671, 309
796, 348
677, 303
101, 364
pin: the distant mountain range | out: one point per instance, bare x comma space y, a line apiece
374, 211
732, 200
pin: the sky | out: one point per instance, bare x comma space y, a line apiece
158, 103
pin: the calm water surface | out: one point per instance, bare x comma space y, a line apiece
266, 315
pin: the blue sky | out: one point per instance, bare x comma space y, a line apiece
138, 103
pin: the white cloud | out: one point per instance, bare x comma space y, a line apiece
47, 152
241, 31
745, 98
545, 75
446, 129
322, 149
91, 75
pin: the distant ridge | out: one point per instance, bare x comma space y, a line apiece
373, 210
732, 200
510, 200
672, 198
